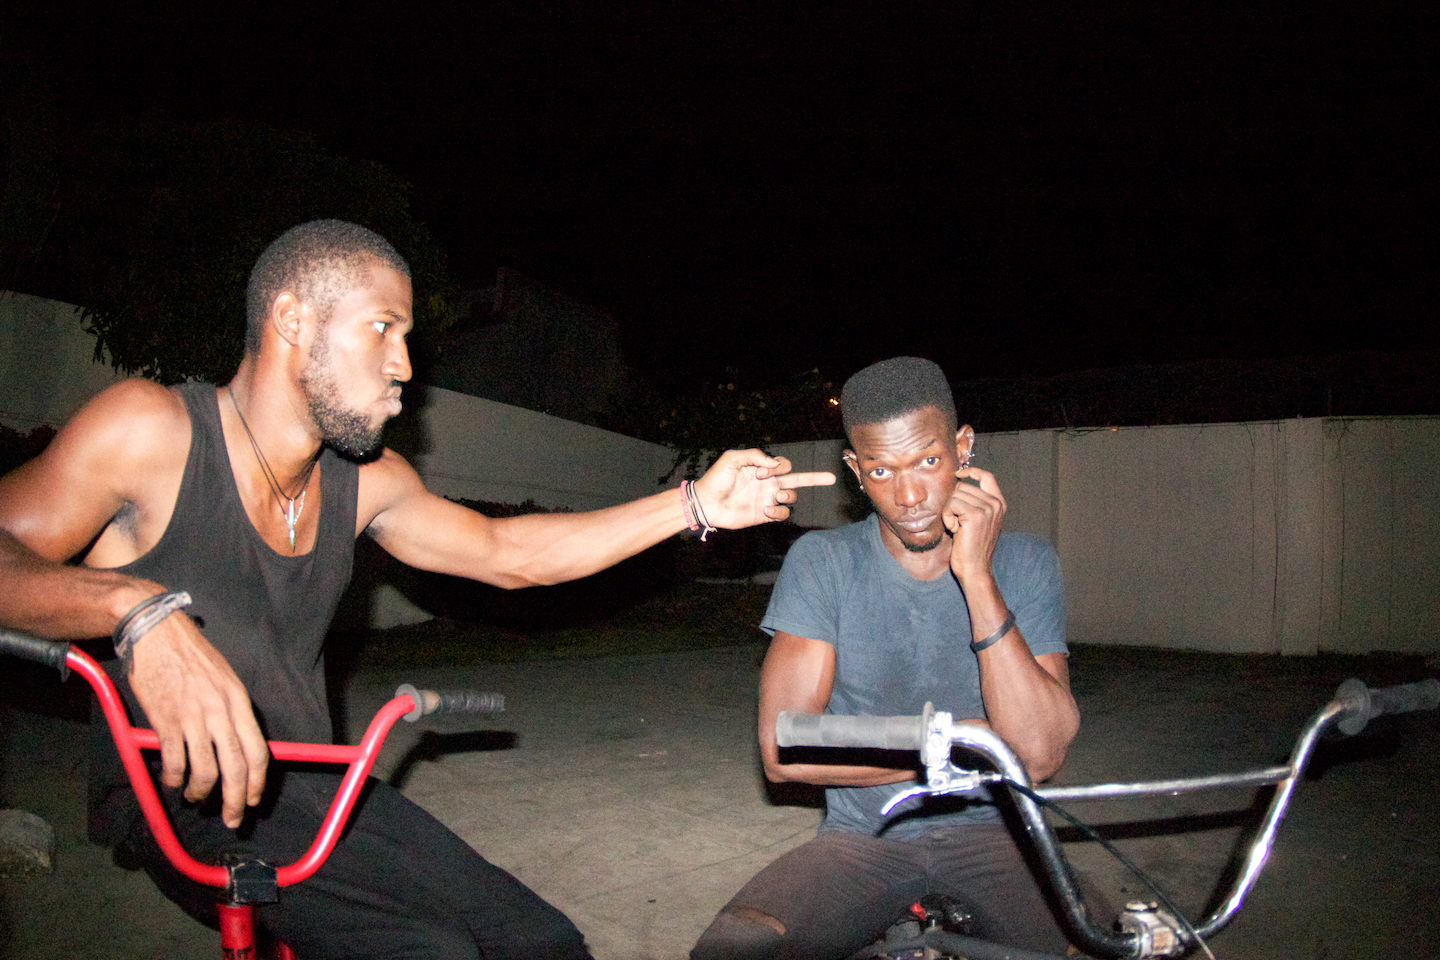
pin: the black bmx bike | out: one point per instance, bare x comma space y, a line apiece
1145, 928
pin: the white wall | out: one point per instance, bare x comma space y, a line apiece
47, 368
1025, 464
1166, 536
1380, 585
483, 450
1290, 536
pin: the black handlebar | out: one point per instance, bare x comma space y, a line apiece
826, 730
47, 652
1367, 704
434, 703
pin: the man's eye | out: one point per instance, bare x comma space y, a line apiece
380, 327
879, 473
931, 461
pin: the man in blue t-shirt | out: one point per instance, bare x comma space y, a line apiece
912, 604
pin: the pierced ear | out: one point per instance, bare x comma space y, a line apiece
965, 445
287, 317
853, 462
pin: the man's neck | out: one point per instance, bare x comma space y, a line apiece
272, 430
922, 565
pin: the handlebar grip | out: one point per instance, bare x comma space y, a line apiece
1366, 704
47, 652
832, 730
433, 703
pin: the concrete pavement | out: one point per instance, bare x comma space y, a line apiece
626, 791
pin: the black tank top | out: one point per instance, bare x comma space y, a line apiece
266, 612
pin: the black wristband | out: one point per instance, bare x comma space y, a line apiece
143, 618
994, 638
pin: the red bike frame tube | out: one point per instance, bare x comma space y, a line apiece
350, 785
139, 774
237, 931
129, 741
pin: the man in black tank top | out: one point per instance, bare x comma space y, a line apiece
249, 498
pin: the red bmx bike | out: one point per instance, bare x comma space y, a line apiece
245, 883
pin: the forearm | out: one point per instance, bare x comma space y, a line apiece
546, 548
1026, 704
51, 599
1030, 710
835, 775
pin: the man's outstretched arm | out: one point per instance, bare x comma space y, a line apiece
743, 488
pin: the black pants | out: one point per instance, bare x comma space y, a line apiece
839, 892
398, 884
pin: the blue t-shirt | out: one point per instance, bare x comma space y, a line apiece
900, 642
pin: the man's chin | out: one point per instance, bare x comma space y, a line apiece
920, 547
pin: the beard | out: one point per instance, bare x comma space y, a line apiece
922, 547
349, 431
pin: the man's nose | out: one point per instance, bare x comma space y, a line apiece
397, 364
909, 492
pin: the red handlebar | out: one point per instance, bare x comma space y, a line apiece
131, 740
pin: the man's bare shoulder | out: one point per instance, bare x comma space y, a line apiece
133, 424
122, 455
385, 482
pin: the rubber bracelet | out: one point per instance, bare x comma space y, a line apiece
994, 638
706, 527
143, 617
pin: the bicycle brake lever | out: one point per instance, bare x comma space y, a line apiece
951, 780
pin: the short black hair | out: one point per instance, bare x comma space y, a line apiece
319, 262
892, 388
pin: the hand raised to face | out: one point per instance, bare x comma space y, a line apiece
973, 516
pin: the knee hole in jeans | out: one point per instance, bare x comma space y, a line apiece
751, 915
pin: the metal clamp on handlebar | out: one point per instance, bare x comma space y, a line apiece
935, 743
941, 776
1154, 928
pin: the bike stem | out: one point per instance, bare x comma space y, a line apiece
1087, 935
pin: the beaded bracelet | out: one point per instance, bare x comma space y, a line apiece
685, 503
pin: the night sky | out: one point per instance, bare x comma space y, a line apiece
786, 185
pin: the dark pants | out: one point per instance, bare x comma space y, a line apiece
839, 892
399, 883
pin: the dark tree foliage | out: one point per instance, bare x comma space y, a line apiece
16, 447
732, 415
152, 228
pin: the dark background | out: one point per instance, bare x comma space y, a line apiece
1022, 192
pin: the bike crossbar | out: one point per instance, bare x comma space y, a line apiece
1114, 791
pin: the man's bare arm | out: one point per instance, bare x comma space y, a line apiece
429, 532
1027, 698
798, 675
122, 457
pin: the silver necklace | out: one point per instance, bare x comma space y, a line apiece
289, 510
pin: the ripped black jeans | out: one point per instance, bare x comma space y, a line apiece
830, 897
